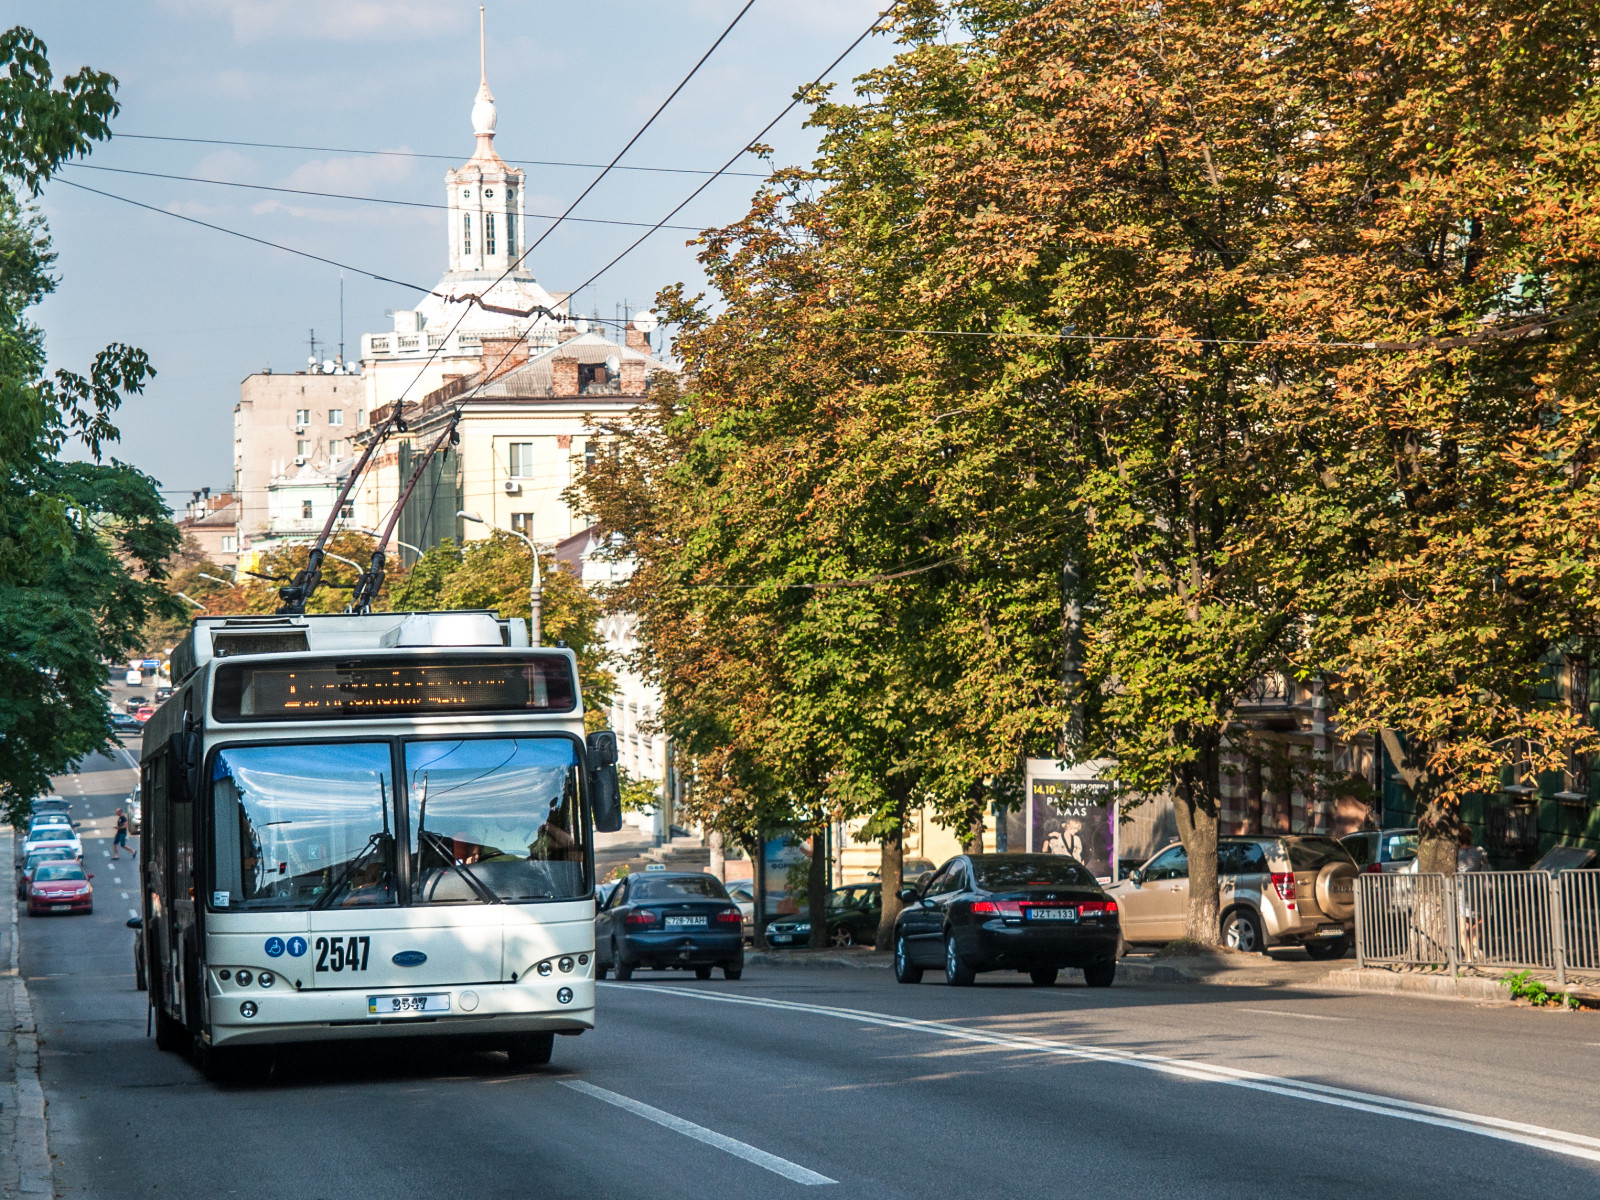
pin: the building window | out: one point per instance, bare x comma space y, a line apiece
302, 448
521, 460
302, 416
335, 447
347, 511
522, 523
305, 510
511, 232
230, 543
588, 457
336, 415
466, 233
488, 233
361, 418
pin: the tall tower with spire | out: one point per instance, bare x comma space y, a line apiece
486, 242
485, 194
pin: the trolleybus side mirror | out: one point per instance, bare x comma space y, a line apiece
605, 792
183, 774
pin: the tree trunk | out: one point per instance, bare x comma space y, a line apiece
889, 873
817, 888
1195, 804
718, 864
972, 834
1438, 821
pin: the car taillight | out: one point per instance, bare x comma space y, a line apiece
1091, 908
1001, 908
729, 916
1284, 882
1374, 869
642, 916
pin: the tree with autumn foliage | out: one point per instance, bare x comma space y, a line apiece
1257, 336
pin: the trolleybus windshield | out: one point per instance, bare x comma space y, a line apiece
318, 824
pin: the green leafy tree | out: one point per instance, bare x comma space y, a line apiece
82, 545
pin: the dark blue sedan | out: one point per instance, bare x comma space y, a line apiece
669, 922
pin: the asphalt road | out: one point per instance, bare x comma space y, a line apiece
835, 1079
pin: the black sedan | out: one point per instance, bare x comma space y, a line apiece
669, 922
1033, 913
853, 915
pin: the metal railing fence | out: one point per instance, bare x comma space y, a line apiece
1483, 919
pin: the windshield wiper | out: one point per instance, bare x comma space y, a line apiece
429, 838
376, 839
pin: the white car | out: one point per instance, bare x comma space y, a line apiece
134, 678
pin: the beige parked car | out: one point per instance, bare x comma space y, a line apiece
1275, 891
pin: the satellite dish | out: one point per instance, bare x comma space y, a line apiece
583, 324
613, 364
327, 366
312, 360
644, 321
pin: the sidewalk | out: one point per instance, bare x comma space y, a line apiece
24, 1152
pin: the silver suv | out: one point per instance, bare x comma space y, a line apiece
1275, 891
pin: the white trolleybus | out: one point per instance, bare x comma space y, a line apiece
371, 826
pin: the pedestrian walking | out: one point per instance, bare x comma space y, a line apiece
121, 840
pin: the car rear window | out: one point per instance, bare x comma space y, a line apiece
1032, 870
1242, 858
699, 887
1314, 853
1397, 847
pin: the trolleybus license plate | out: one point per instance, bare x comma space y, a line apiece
408, 1006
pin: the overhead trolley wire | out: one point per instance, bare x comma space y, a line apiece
515, 162
263, 187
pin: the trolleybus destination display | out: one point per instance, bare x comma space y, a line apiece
367, 687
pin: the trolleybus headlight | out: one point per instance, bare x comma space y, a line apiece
583, 960
267, 979
247, 1009
244, 978
224, 974
544, 968
564, 996
565, 964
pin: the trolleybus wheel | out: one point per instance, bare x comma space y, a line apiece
530, 1050
171, 1035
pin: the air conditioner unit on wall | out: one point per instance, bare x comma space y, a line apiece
513, 487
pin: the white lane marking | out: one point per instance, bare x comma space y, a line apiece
133, 912
124, 895
1278, 1012
1574, 1145
778, 1166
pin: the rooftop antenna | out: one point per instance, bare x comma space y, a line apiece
341, 316
483, 62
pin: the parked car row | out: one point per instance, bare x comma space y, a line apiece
50, 874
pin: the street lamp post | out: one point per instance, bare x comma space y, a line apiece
192, 600
536, 584
224, 582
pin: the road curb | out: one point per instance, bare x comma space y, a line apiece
800, 958
1442, 987
24, 1137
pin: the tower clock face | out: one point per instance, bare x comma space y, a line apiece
489, 194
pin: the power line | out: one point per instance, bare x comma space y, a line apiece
167, 212
516, 162
737, 17
799, 96
262, 187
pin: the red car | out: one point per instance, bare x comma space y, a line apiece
60, 887
144, 713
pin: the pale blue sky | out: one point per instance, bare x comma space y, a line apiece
572, 83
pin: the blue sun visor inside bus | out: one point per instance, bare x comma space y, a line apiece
319, 689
